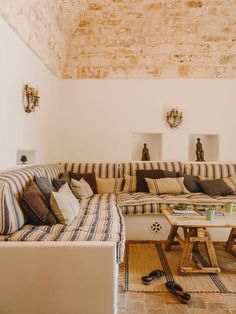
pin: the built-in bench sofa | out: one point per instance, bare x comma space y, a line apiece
70, 265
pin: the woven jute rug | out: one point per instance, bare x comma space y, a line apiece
143, 257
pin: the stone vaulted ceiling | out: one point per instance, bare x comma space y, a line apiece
99, 39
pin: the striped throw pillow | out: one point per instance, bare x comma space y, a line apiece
64, 205
166, 186
12, 217
81, 188
130, 183
113, 185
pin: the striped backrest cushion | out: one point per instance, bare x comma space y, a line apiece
211, 170
11, 215
131, 167
54, 171
13, 184
102, 170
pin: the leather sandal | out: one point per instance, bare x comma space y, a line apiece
155, 274
177, 290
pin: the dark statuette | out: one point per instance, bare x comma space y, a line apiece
145, 153
199, 151
23, 159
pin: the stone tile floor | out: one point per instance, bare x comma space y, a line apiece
165, 303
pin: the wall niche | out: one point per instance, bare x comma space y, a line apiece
154, 144
210, 145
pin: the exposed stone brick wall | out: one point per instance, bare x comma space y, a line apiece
154, 39
129, 38
44, 25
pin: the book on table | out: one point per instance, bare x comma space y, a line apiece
184, 209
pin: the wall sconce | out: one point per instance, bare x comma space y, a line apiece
174, 118
31, 96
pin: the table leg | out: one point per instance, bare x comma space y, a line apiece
193, 238
171, 237
231, 240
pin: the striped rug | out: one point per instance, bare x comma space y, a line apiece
143, 257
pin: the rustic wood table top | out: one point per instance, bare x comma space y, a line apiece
195, 221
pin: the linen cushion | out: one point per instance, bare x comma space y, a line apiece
231, 182
215, 187
114, 185
35, 206
12, 217
45, 187
81, 188
190, 182
142, 174
166, 186
64, 205
130, 183
88, 177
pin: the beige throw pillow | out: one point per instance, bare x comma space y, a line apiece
81, 188
231, 182
166, 186
113, 185
64, 205
130, 183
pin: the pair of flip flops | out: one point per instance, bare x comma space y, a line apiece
177, 290
155, 274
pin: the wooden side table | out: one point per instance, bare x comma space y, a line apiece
195, 232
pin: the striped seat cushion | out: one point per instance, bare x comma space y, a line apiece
138, 203
99, 219
102, 170
131, 167
197, 199
211, 170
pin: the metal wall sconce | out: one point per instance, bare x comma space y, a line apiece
174, 118
31, 98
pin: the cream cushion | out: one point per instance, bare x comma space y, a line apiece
64, 205
130, 183
81, 188
166, 186
113, 185
231, 182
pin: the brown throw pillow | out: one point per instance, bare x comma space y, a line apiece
215, 187
142, 174
170, 174
35, 206
88, 177
190, 182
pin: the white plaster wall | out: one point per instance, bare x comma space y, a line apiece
20, 130
98, 117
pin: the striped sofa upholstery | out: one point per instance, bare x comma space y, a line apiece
211, 170
131, 167
12, 185
141, 203
99, 217
102, 170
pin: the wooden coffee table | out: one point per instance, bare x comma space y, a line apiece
195, 232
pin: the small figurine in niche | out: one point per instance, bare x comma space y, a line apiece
23, 159
145, 153
199, 151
